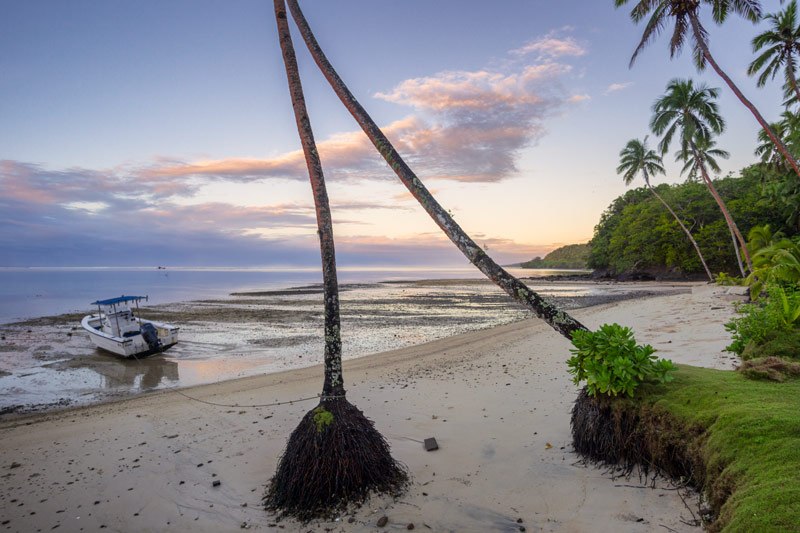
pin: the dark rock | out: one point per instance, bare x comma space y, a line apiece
636, 275
382, 521
431, 444
217, 483
410, 526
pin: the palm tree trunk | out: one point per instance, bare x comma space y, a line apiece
736, 250
557, 319
771, 134
686, 231
334, 385
731, 223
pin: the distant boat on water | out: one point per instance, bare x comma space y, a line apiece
116, 329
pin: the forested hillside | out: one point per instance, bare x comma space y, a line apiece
636, 232
569, 256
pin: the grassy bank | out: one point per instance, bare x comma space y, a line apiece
737, 439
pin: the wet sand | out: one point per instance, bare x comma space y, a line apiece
496, 400
50, 362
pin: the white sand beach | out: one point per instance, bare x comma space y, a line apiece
497, 401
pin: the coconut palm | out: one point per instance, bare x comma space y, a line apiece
556, 318
788, 129
687, 24
708, 157
636, 158
782, 43
766, 150
691, 113
335, 455
696, 168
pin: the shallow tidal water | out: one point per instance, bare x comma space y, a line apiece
49, 362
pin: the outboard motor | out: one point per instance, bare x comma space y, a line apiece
150, 336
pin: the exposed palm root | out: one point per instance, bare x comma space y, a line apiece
333, 458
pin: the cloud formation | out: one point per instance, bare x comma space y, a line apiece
466, 126
463, 125
617, 87
553, 45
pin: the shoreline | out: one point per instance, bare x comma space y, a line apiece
496, 400
264, 332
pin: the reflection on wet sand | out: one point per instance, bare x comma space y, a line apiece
135, 374
43, 360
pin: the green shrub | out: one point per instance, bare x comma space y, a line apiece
611, 362
777, 312
727, 280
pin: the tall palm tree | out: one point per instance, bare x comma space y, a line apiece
708, 157
685, 15
556, 318
697, 168
782, 43
636, 158
766, 150
788, 129
691, 113
335, 455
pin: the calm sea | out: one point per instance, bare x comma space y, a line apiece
43, 291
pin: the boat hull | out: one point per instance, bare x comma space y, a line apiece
131, 346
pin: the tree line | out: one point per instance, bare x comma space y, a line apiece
636, 232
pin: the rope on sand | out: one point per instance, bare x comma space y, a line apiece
289, 402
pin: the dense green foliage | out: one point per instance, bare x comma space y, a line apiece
774, 314
569, 256
636, 232
742, 434
611, 362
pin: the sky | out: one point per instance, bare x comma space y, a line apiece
160, 132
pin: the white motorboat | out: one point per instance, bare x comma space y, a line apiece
116, 329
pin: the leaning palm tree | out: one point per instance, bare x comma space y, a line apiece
696, 168
708, 157
766, 150
782, 43
335, 455
636, 158
690, 113
556, 318
685, 15
788, 129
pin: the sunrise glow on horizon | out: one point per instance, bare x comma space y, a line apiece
162, 132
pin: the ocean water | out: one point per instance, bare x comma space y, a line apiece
42, 291
51, 362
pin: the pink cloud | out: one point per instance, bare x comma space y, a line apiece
552, 46
475, 90
618, 87
470, 127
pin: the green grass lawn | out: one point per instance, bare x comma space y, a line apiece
743, 434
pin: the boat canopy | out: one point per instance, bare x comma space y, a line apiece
120, 299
